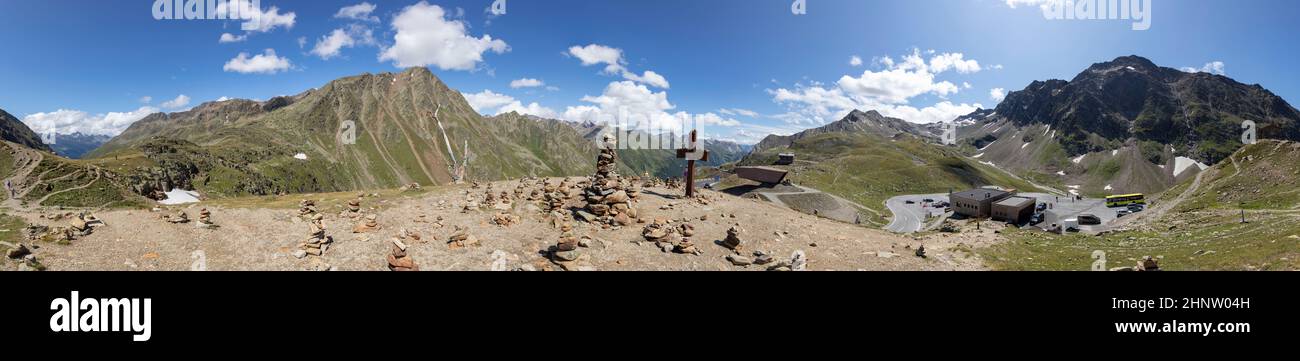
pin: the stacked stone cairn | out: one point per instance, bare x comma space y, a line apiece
369, 224
205, 220
608, 203
317, 241
399, 260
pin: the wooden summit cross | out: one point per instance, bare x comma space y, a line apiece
693, 152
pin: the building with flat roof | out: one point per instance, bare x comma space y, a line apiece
1015, 210
976, 203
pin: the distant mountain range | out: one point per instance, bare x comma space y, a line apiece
76, 145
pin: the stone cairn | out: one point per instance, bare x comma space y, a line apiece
566, 250
317, 242
670, 238
178, 218
205, 219
399, 260
370, 224
461, 238
732, 242
608, 203
306, 208
354, 209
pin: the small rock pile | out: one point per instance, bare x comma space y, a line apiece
370, 224
566, 250
410, 187
732, 242
399, 260
306, 208
178, 218
671, 238
317, 241
205, 219
461, 238
354, 209
505, 219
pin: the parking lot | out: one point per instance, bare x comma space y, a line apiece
910, 217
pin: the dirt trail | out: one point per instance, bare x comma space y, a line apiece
26, 160
98, 174
1156, 213
263, 239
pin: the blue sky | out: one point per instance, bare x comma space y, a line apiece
745, 68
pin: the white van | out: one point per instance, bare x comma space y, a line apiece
1070, 225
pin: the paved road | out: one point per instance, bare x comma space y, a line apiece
909, 218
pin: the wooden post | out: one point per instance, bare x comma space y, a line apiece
692, 153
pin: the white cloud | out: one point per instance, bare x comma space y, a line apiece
739, 111
264, 21
640, 108
65, 121
486, 100
966, 85
595, 54
650, 78
222, 99
426, 37
331, 45
889, 91
526, 83
946, 61
180, 102
302, 42
997, 94
533, 109
1214, 67
231, 38
552, 88
146, 99
265, 63
855, 61
358, 12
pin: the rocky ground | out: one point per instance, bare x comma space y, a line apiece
257, 235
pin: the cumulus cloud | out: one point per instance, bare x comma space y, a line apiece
650, 78
265, 63
638, 107
855, 61
997, 94
65, 121
358, 12
265, 20
426, 37
180, 102
488, 102
1214, 67
231, 38
889, 91
331, 45
526, 83
595, 54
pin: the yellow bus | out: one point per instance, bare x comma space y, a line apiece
1125, 200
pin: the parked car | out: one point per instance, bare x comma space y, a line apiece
1135, 208
1042, 207
1036, 219
911, 202
1089, 220
927, 200
1123, 212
